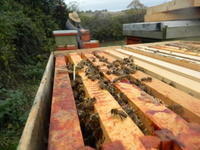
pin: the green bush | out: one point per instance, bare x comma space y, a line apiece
11, 106
106, 27
26, 41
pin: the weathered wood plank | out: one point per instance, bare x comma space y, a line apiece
183, 14
184, 104
184, 62
65, 53
197, 3
187, 104
182, 83
165, 50
177, 49
157, 114
170, 6
35, 131
191, 74
64, 131
113, 128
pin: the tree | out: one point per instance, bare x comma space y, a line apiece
136, 5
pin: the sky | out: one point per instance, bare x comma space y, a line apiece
111, 5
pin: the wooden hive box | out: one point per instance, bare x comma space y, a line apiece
174, 82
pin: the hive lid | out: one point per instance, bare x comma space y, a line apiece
64, 32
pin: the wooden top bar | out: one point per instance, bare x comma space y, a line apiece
113, 128
167, 57
170, 95
159, 115
176, 49
191, 74
64, 132
173, 97
182, 83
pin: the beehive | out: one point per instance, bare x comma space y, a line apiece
161, 86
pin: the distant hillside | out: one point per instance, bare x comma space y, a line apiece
90, 13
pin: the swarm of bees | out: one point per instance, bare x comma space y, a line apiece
89, 120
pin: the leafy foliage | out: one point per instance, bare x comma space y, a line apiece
136, 5
106, 27
26, 41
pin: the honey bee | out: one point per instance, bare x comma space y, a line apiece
105, 81
131, 59
94, 117
146, 79
81, 115
119, 72
98, 133
172, 84
116, 79
120, 113
81, 97
132, 71
144, 88
101, 85
80, 89
81, 105
93, 100
122, 95
78, 79
73, 84
93, 59
76, 95
178, 109
116, 64
108, 72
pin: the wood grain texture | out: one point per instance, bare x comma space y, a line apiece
188, 73
36, 128
183, 14
186, 104
182, 83
113, 128
172, 5
167, 57
160, 117
64, 131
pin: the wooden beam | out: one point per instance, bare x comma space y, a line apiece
186, 104
158, 115
177, 50
170, 6
197, 3
113, 128
33, 136
191, 74
187, 63
65, 53
64, 131
182, 83
182, 14
163, 49
170, 95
